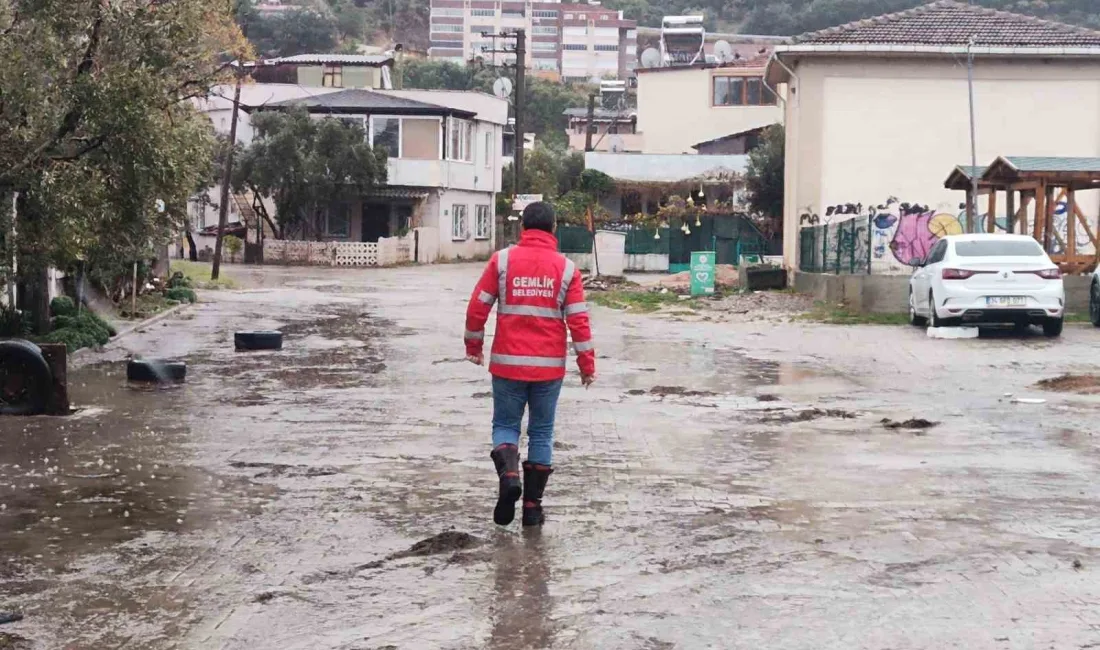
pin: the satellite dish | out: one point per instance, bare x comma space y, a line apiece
502, 87
615, 144
723, 51
651, 58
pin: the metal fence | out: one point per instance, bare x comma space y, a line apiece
838, 248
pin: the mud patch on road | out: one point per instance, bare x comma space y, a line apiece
1079, 384
272, 470
911, 423
673, 391
784, 416
13, 642
445, 542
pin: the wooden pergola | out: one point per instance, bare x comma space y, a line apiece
1034, 187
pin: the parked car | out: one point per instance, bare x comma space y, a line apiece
990, 278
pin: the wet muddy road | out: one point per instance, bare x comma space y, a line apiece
722, 486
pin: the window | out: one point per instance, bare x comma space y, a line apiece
386, 134
461, 140
488, 150
606, 48
449, 13
483, 12
512, 13
455, 29
631, 34
544, 13
338, 221
995, 248
544, 30
483, 222
458, 222
604, 16
332, 76
539, 46
477, 29
938, 252
576, 47
569, 16
582, 16
741, 91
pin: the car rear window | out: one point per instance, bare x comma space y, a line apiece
998, 248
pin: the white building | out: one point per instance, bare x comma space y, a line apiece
878, 114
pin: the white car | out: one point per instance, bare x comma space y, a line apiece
987, 279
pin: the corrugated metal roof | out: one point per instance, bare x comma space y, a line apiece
359, 99
1053, 164
340, 59
664, 168
396, 193
601, 114
954, 23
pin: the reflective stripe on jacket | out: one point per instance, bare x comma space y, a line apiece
538, 293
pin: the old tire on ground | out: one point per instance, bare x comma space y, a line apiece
160, 371
1052, 327
25, 378
258, 340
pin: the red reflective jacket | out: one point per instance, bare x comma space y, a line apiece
539, 291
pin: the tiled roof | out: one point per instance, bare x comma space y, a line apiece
953, 23
1050, 164
357, 99
340, 59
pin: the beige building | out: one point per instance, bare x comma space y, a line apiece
681, 106
878, 115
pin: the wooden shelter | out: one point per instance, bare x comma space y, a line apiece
1034, 187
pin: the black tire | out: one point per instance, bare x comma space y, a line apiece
158, 371
914, 319
1094, 304
933, 319
259, 340
25, 378
1052, 327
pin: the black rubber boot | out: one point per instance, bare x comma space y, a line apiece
534, 482
506, 459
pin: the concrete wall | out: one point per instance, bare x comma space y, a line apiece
675, 109
437, 213
863, 130
886, 294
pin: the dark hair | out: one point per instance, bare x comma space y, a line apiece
538, 216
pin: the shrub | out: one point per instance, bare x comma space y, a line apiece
73, 338
62, 306
181, 294
179, 280
94, 327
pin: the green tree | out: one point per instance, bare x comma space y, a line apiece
764, 176
307, 166
111, 135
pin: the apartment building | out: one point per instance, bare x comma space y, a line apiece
576, 42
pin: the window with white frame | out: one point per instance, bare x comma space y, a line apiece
606, 48
545, 30
385, 133
338, 221
483, 222
459, 227
449, 13
460, 145
483, 12
575, 47
456, 29
488, 150
544, 13
541, 46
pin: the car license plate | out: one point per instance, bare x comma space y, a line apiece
1005, 301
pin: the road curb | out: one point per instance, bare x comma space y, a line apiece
82, 352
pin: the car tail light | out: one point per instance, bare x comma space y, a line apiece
1049, 274
961, 274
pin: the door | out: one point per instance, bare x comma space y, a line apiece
926, 274
376, 221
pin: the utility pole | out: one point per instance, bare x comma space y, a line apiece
972, 208
591, 119
521, 102
227, 178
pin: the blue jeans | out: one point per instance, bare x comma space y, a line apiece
510, 398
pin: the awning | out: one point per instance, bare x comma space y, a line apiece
396, 193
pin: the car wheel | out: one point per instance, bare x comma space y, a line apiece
933, 319
159, 371
25, 379
259, 340
1094, 304
1053, 327
915, 319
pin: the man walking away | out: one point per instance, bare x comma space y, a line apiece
538, 292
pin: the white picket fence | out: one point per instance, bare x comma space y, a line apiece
387, 252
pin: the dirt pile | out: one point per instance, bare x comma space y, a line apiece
725, 276
911, 423
1080, 384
